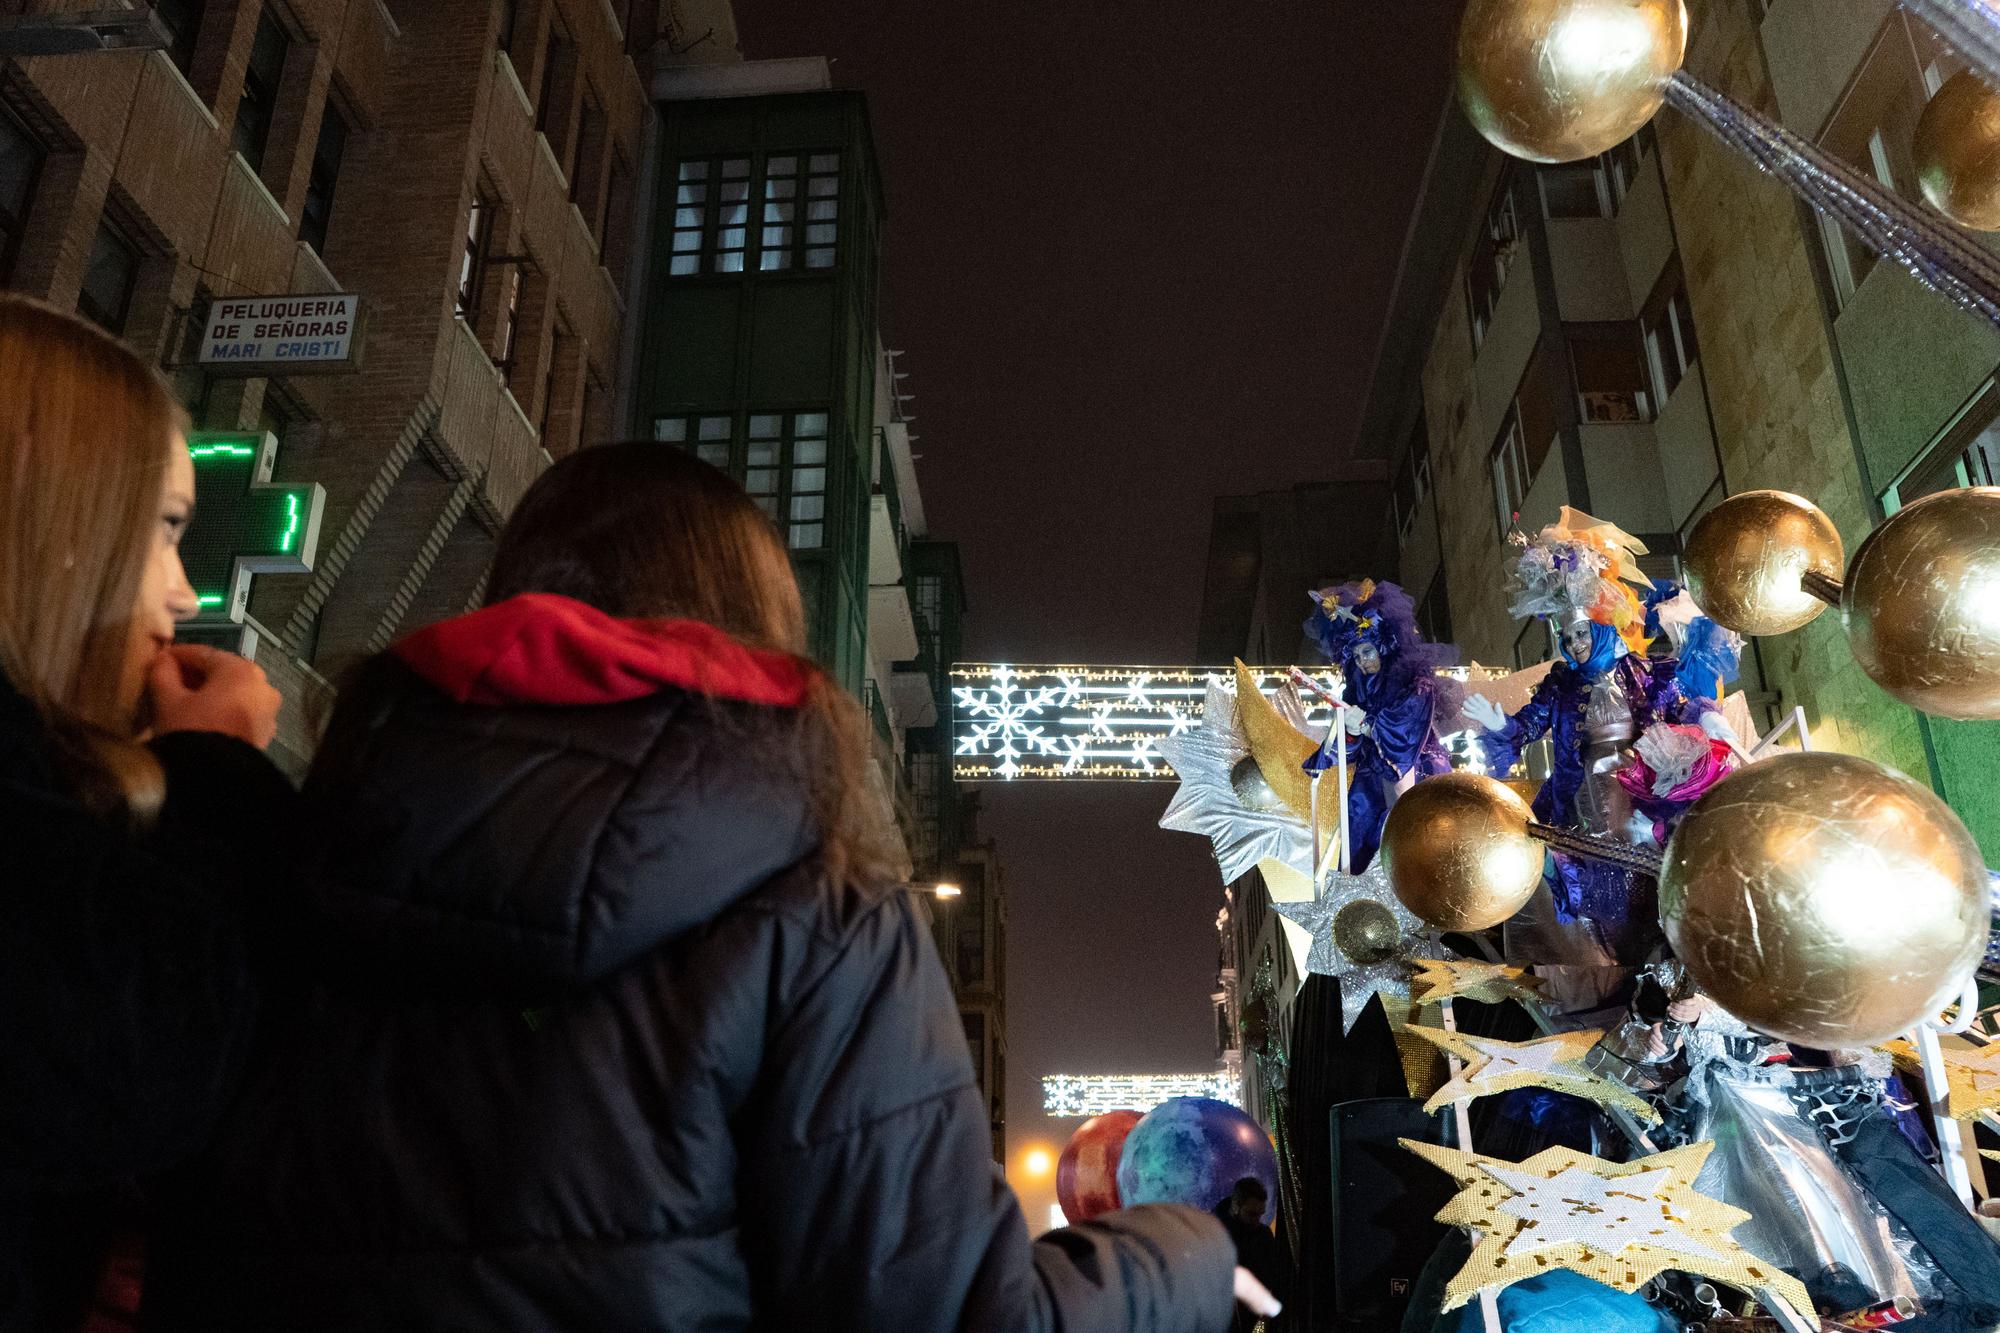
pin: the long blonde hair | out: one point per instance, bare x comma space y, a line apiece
85, 428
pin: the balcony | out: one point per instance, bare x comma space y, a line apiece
888, 532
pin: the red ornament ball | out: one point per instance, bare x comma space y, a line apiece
1087, 1172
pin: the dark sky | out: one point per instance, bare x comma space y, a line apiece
1138, 254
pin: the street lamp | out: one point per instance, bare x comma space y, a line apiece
947, 890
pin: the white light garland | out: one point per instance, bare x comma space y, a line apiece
1079, 1095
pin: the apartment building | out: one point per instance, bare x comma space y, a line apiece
1640, 334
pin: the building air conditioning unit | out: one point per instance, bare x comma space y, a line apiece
89, 30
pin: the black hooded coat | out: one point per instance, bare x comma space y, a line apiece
585, 1038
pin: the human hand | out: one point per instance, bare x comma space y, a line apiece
195, 688
1483, 712
1255, 1296
1690, 1009
1716, 727
1355, 720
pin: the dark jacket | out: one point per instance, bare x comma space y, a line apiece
125, 998
590, 1040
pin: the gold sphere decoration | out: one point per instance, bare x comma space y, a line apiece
1957, 152
1824, 899
1367, 933
1922, 604
1562, 80
1745, 558
1458, 852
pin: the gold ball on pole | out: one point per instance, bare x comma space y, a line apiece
1458, 852
1824, 899
1562, 80
1922, 604
1957, 152
1745, 558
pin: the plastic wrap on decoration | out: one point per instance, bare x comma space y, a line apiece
1775, 1131
1932, 250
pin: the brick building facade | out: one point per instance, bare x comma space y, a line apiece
467, 167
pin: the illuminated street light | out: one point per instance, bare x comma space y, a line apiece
1037, 1163
948, 891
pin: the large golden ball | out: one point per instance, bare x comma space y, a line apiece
1922, 604
1744, 559
1562, 80
1824, 899
1458, 852
1957, 151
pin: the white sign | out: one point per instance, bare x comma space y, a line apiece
301, 331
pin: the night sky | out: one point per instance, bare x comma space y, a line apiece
1138, 255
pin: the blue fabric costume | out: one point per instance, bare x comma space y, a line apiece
1400, 701
1652, 688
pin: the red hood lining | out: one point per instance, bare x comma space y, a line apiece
539, 648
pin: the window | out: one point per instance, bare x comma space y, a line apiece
1575, 190
108, 279
259, 101
508, 14
556, 56
20, 165
1611, 384
472, 261
1492, 257
583, 186
183, 22
711, 217
328, 151
1667, 327
706, 437
1434, 612
1413, 482
1966, 453
782, 462
1526, 434
1872, 129
510, 319
1595, 187
615, 244
798, 220
801, 211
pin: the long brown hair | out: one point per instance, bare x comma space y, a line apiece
85, 429
643, 530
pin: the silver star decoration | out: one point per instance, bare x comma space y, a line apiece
1206, 802
1362, 936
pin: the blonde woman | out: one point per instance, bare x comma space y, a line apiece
131, 789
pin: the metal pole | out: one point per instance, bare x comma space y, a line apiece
1489, 1309
1340, 762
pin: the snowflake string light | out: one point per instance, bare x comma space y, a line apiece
1075, 1095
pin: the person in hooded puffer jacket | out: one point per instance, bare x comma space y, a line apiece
612, 1012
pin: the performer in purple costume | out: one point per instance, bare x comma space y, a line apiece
1388, 674
1597, 699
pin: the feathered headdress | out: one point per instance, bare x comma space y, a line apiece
1379, 614
1580, 567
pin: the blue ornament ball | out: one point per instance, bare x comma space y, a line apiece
1193, 1150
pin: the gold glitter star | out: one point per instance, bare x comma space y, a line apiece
1482, 983
1620, 1223
1972, 1075
1555, 1063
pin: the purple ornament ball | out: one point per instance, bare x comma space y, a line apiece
1193, 1150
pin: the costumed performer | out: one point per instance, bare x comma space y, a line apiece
1388, 673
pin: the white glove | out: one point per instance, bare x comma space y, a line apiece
1483, 712
1356, 721
1718, 728
1639, 830
1255, 1295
